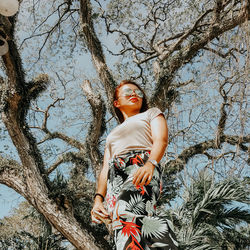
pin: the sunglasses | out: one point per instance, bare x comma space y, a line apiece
129, 92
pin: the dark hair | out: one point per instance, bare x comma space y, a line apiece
144, 106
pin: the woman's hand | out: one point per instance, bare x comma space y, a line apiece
144, 174
98, 212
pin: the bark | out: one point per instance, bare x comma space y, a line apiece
97, 127
30, 179
33, 188
95, 48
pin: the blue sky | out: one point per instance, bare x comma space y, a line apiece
9, 200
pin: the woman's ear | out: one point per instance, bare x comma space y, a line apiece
116, 104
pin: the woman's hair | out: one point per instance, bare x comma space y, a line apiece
144, 106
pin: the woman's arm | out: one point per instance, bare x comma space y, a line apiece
102, 179
159, 132
101, 189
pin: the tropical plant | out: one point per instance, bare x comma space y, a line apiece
212, 214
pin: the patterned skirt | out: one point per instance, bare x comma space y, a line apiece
135, 222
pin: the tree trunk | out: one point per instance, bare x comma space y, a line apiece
36, 192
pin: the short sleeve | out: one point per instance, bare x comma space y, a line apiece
152, 113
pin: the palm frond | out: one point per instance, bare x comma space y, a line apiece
210, 214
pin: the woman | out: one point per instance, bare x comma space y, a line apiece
130, 177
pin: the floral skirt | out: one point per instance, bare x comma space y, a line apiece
135, 222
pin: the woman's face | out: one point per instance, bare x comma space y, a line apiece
129, 96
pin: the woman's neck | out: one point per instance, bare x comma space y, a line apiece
128, 114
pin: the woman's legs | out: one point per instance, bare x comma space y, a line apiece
135, 223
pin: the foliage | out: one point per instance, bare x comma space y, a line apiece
214, 215
27, 229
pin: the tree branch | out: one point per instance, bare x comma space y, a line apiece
68, 157
223, 55
54, 27
170, 65
97, 127
223, 115
95, 48
11, 175
177, 165
176, 45
71, 141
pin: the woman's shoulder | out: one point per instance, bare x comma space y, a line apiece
153, 112
115, 130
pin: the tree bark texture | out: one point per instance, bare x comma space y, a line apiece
31, 181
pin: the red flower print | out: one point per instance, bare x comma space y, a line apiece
130, 228
132, 245
142, 189
137, 159
111, 200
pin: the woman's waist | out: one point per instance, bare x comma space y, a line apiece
124, 151
138, 157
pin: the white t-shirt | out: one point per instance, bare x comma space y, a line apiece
133, 134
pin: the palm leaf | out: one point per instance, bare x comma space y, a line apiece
136, 204
153, 227
210, 213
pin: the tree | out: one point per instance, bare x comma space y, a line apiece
183, 53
